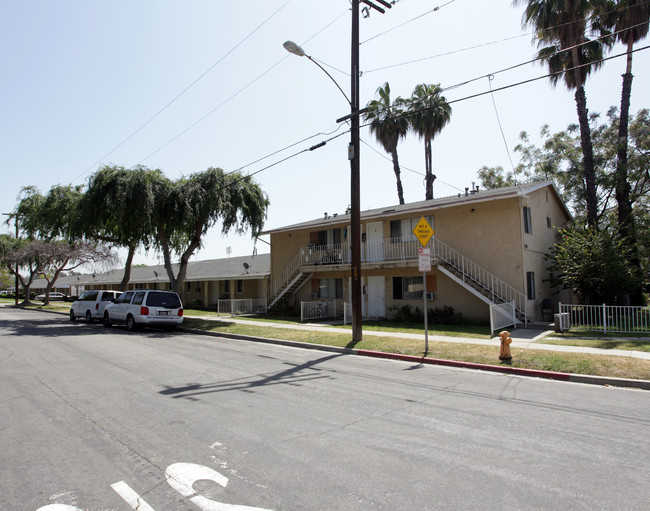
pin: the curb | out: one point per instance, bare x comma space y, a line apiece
531, 373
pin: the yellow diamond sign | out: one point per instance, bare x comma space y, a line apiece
423, 231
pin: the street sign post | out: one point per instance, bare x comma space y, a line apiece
423, 232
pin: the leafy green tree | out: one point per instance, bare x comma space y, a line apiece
561, 28
559, 158
51, 216
428, 113
189, 207
6, 280
593, 264
120, 207
496, 177
389, 124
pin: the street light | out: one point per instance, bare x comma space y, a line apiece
294, 48
353, 156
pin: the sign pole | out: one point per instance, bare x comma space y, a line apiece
426, 315
424, 232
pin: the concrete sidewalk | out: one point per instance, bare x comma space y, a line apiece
521, 337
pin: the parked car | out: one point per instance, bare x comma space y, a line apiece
54, 295
91, 304
145, 307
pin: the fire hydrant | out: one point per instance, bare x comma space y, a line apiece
505, 354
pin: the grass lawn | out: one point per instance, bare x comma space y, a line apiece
606, 342
598, 365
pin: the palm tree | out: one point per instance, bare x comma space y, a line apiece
429, 112
629, 20
389, 124
570, 56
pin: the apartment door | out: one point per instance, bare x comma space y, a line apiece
376, 292
374, 242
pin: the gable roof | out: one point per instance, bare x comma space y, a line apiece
425, 207
232, 268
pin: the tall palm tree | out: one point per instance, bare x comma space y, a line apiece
561, 29
389, 124
629, 19
429, 113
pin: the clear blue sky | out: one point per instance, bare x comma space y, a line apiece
79, 80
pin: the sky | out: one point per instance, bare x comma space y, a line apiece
183, 86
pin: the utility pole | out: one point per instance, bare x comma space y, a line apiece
353, 155
17, 266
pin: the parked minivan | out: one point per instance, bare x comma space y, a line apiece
145, 307
91, 304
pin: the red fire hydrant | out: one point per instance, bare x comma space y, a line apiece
505, 354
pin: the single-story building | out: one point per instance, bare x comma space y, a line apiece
245, 277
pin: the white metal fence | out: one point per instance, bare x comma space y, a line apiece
369, 311
242, 306
502, 315
320, 309
608, 318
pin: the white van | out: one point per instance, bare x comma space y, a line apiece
91, 304
145, 307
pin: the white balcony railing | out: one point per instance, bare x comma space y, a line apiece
406, 249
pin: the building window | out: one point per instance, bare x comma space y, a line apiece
549, 222
188, 287
330, 288
530, 284
226, 286
528, 222
240, 286
408, 288
403, 229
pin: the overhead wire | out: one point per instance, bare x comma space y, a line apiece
407, 22
242, 89
185, 89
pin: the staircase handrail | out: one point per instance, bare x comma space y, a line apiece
500, 290
280, 282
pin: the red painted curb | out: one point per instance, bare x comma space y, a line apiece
468, 365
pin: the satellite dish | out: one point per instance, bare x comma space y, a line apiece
246, 266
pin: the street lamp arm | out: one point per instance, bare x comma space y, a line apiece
330, 77
294, 48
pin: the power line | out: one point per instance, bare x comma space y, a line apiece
407, 22
184, 90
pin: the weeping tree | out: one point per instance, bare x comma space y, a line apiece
189, 207
119, 207
389, 124
52, 227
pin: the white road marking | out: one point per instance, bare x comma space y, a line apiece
131, 497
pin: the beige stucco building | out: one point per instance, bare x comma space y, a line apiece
489, 247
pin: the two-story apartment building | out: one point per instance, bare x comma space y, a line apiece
489, 247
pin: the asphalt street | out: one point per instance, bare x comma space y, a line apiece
98, 419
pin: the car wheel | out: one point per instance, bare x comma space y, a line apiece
130, 323
107, 320
89, 317
72, 316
